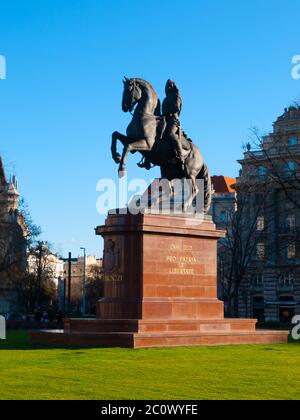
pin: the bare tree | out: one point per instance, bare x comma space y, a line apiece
94, 287
35, 288
245, 230
268, 190
281, 160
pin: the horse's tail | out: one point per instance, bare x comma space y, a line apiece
208, 189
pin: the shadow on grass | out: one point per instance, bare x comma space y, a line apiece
20, 340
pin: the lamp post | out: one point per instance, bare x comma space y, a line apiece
83, 282
69, 281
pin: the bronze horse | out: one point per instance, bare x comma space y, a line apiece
145, 135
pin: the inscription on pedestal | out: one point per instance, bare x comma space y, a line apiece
113, 277
181, 264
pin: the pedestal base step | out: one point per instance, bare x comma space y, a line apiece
158, 325
159, 339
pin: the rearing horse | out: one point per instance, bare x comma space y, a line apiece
145, 134
141, 132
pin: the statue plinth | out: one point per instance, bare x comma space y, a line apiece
160, 289
159, 267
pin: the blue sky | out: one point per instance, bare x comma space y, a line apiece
61, 99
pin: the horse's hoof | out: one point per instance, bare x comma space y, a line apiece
122, 173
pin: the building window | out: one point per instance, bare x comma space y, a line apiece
258, 308
293, 141
286, 308
258, 280
262, 171
291, 251
286, 280
290, 167
223, 216
260, 250
260, 223
290, 221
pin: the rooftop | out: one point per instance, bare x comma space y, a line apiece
291, 113
289, 121
223, 184
10, 187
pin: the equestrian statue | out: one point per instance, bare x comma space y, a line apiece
155, 131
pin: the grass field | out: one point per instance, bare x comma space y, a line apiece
229, 372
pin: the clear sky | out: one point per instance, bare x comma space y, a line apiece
61, 99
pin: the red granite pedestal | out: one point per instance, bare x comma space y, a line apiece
160, 289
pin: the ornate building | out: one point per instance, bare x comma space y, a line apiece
273, 283
12, 238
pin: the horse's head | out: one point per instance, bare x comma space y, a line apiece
131, 95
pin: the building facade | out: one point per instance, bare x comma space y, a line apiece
13, 234
271, 289
223, 200
81, 269
223, 206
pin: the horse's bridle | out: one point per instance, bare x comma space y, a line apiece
133, 89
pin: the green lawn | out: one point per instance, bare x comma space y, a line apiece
229, 372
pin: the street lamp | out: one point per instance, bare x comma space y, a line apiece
84, 282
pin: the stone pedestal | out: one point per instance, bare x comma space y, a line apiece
160, 289
159, 267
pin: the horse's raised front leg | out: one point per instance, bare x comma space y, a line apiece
136, 146
114, 138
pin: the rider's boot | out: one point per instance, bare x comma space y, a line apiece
146, 164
